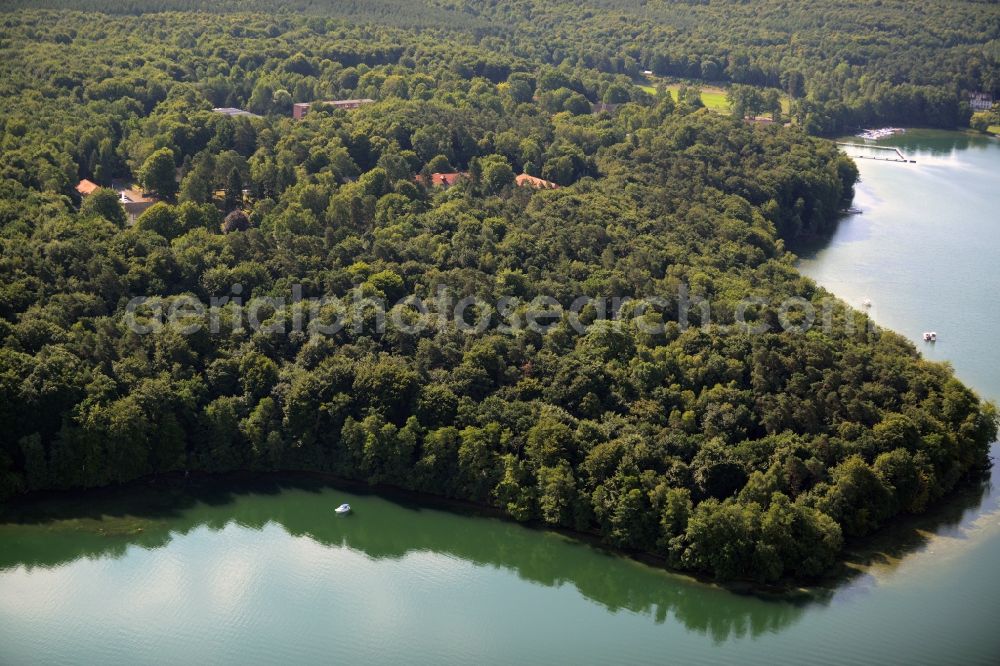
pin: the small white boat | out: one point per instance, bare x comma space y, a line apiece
930, 336
867, 302
342, 509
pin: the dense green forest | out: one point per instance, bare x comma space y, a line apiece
845, 63
744, 451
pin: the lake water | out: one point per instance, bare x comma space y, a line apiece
926, 249
262, 573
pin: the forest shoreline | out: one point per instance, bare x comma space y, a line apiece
852, 561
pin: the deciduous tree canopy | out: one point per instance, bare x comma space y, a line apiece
725, 451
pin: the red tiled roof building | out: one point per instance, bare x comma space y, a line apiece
85, 187
524, 180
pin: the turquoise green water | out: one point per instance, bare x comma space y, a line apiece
267, 573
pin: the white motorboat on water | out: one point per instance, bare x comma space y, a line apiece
867, 302
930, 336
342, 509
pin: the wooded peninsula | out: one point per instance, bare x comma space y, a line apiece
181, 151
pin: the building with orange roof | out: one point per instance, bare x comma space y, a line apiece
444, 179
524, 180
85, 187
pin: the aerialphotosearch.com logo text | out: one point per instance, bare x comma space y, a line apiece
360, 313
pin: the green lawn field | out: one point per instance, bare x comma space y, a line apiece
713, 97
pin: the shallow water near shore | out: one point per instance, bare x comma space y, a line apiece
264, 571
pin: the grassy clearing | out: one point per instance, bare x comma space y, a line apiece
715, 100
994, 129
713, 97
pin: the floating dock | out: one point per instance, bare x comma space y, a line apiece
899, 156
